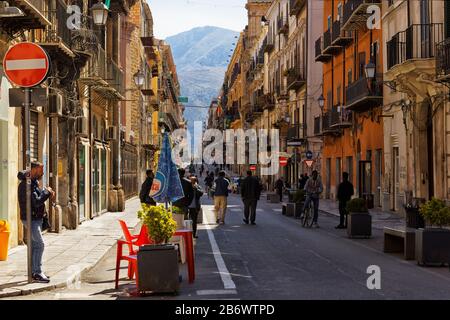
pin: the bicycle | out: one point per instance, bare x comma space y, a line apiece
308, 216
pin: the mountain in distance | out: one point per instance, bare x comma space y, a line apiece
201, 57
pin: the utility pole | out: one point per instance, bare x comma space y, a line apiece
27, 105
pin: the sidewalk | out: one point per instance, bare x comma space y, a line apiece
380, 219
68, 255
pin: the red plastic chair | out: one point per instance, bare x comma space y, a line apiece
131, 258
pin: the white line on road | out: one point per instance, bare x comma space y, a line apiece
215, 292
224, 273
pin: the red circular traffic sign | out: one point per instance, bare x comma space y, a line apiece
283, 161
26, 64
253, 168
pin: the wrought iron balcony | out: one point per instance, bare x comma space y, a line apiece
268, 102
443, 61
320, 55
340, 37
328, 47
295, 132
419, 41
341, 118
296, 78
327, 128
283, 25
355, 14
296, 6
364, 94
35, 17
270, 43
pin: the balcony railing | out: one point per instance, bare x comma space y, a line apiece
58, 36
443, 61
363, 94
341, 118
283, 25
417, 42
320, 55
296, 78
36, 16
340, 37
270, 43
296, 6
356, 15
295, 132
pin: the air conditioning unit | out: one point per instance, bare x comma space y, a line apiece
81, 126
112, 133
55, 105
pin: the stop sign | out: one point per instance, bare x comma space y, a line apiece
283, 161
26, 64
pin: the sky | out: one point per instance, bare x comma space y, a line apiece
171, 17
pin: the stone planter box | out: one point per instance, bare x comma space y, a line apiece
433, 246
273, 198
298, 209
414, 219
290, 209
158, 269
359, 225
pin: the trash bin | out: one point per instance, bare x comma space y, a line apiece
4, 239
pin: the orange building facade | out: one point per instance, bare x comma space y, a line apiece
350, 125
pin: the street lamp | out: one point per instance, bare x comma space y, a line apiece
370, 70
99, 13
321, 101
139, 79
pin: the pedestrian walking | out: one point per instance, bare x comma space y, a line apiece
195, 206
146, 187
209, 180
250, 193
188, 191
279, 186
344, 194
38, 212
313, 188
221, 192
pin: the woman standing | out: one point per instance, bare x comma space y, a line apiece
195, 206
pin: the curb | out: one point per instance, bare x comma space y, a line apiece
60, 284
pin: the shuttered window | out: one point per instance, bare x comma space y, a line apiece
34, 136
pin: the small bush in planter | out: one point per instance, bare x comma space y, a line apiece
159, 223
433, 244
359, 222
299, 196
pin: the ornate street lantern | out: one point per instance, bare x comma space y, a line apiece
100, 13
139, 79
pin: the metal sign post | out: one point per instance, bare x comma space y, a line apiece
26, 139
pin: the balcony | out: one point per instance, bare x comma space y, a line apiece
320, 55
328, 47
35, 17
268, 102
416, 43
327, 128
341, 118
340, 37
283, 26
296, 78
362, 95
295, 133
164, 121
443, 61
355, 14
296, 6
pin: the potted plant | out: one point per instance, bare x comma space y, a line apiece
299, 200
413, 217
433, 242
359, 222
158, 263
178, 216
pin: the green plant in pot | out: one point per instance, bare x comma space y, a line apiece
359, 222
433, 241
299, 200
158, 264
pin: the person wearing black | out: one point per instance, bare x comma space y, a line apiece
279, 185
195, 206
250, 193
345, 193
144, 195
303, 180
188, 191
38, 212
209, 180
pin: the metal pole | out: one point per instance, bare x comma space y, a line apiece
27, 104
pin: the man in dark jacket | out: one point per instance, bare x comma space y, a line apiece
38, 212
344, 194
188, 191
250, 193
220, 197
279, 186
144, 195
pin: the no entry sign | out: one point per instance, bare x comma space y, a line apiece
26, 64
283, 161
253, 168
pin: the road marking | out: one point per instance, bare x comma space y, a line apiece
223, 271
215, 292
235, 210
277, 210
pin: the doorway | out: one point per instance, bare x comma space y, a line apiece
82, 181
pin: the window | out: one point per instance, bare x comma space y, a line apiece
338, 94
361, 64
350, 76
349, 168
329, 22
447, 19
